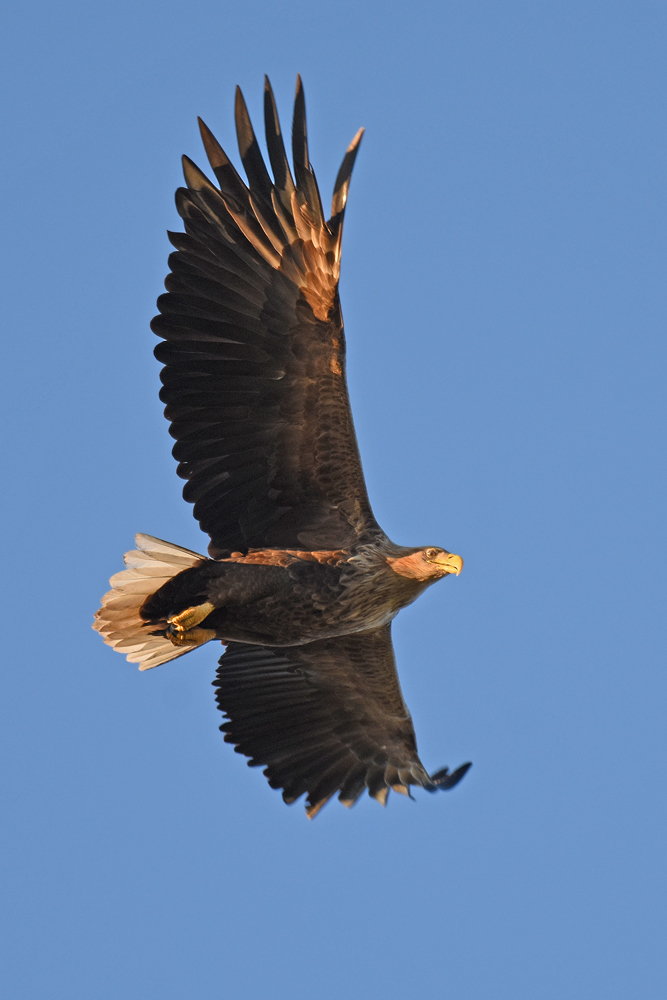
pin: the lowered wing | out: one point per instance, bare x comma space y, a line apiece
324, 718
254, 349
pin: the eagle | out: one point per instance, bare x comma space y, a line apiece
301, 584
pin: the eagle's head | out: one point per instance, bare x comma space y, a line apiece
429, 564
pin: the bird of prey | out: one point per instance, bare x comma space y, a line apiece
301, 584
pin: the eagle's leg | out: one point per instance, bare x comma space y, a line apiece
182, 629
188, 619
191, 637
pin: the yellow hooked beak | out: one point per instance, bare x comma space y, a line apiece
448, 563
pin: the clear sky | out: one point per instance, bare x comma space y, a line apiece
504, 296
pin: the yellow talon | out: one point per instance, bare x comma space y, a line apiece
191, 637
190, 617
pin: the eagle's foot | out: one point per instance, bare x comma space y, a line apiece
187, 619
190, 637
182, 629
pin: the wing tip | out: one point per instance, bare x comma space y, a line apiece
356, 140
381, 796
312, 811
444, 781
214, 151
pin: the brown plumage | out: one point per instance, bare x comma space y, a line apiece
302, 583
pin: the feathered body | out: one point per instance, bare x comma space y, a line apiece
301, 582
287, 598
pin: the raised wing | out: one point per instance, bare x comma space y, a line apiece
254, 352
323, 718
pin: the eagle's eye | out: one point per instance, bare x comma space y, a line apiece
431, 553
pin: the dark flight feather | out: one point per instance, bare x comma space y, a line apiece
254, 286
299, 128
253, 162
276, 148
322, 718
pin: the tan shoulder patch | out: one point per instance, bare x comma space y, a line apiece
284, 557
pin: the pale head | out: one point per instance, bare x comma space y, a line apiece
430, 563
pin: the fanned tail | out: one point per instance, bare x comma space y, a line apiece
152, 564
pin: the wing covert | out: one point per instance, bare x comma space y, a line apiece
254, 350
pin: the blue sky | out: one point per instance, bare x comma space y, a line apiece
503, 291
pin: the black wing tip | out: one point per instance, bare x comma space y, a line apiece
204, 130
299, 128
443, 780
241, 115
342, 185
214, 152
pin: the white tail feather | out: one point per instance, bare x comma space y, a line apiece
149, 567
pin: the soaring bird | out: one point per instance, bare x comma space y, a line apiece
301, 584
